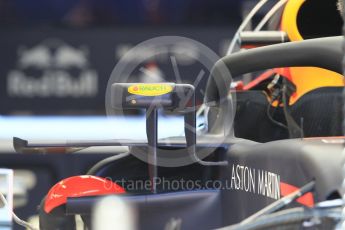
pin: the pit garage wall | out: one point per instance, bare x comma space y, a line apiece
65, 71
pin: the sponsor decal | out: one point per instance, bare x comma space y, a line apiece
150, 89
256, 181
52, 68
264, 183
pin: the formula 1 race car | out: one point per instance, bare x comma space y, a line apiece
281, 173
304, 171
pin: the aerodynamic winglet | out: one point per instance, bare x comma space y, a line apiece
19, 144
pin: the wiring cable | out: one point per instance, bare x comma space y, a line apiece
270, 116
276, 95
15, 217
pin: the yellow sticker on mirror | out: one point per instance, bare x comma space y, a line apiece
150, 89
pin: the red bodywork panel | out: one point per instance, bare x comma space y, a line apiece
306, 200
79, 186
